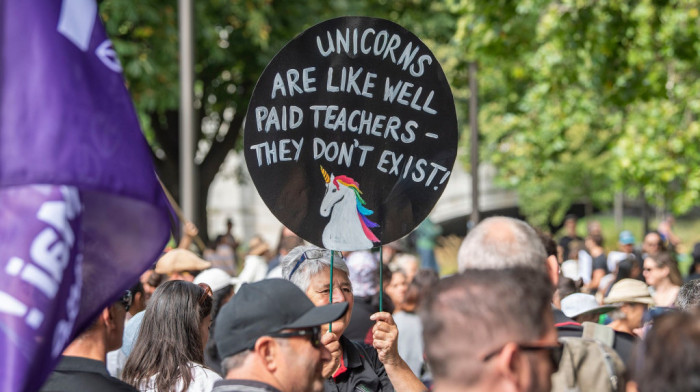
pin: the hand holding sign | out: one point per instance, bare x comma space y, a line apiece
351, 133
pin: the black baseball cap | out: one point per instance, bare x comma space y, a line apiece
266, 307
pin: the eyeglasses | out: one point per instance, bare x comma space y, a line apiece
554, 352
313, 334
313, 254
126, 299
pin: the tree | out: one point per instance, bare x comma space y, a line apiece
234, 40
582, 99
579, 100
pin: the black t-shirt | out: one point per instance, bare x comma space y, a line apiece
364, 371
83, 374
601, 262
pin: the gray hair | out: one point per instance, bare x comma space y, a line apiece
310, 266
501, 242
689, 296
467, 315
403, 261
234, 361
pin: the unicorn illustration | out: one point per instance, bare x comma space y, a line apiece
349, 227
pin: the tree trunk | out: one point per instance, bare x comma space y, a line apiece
618, 210
645, 215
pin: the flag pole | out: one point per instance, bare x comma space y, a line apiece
187, 120
381, 280
330, 295
181, 216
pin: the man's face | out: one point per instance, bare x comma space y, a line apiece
303, 358
570, 226
627, 248
319, 293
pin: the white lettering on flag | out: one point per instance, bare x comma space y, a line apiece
77, 20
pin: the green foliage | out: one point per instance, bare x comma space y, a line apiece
578, 99
234, 40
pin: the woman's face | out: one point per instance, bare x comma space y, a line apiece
319, 293
396, 289
204, 329
653, 274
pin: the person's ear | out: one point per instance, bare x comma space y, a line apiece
108, 317
105, 316
266, 348
512, 366
553, 269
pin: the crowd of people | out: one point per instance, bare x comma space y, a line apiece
523, 313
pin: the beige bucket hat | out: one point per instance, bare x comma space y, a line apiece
629, 290
180, 260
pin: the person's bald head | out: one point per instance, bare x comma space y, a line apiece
501, 242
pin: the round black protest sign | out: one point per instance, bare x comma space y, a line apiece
351, 133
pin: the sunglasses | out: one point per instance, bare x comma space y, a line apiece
313, 334
206, 293
554, 352
126, 300
313, 254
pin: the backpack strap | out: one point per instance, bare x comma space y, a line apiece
601, 333
569, 372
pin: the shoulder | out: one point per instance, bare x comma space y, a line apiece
203, 376
76, 373
85, 381
119, 385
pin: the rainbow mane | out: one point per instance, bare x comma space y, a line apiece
362, 211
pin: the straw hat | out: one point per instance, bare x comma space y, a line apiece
180, 260
629, 290
257, 246
579, 304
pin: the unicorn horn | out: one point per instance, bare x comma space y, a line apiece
325, 175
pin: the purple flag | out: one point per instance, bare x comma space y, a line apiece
81, 211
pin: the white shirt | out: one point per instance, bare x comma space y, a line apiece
254, 270
203, 380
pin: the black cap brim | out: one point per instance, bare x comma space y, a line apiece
319, 315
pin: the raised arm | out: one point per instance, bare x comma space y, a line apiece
386, 335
